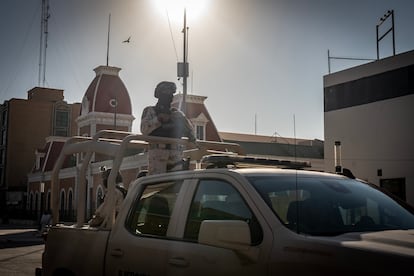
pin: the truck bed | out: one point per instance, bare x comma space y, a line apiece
80, 249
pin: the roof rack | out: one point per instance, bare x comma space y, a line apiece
115, 145
238, 161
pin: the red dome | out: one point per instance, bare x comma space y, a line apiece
107, 93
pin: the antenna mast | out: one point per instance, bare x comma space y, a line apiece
43, 42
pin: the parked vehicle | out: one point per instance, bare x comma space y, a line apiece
226, 220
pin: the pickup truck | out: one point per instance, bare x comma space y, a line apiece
238, 215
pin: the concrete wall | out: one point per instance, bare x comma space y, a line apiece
374, 136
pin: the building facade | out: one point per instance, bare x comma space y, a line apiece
106, 105
368, 113
24, 125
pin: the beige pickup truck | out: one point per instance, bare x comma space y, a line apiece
241, 216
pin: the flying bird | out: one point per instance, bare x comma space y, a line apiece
127, 40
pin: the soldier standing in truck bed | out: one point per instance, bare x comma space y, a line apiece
164, 121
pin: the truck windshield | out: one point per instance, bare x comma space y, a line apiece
328, 206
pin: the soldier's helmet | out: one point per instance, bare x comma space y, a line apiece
165, 88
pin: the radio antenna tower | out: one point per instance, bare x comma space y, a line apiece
43, 42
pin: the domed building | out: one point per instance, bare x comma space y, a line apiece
106, 104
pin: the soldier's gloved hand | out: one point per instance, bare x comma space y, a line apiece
163, 117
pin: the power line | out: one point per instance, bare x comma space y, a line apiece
171, 33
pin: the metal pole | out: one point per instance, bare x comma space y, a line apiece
107, 43
184, 107
41, 43
329, 63
45, 42
393, 33
377, 45
116, 105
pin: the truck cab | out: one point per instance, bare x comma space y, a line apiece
240, 215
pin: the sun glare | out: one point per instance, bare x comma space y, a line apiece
175, 8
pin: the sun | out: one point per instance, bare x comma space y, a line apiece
175, 8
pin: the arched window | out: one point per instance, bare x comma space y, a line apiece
62, 204
48, 201
70, 204
36, 203
31, 202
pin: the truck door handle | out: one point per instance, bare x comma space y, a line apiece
117, 252
181, 262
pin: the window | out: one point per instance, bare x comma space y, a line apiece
200, 123
4, 117
394, 185
31, 202
70, 204
329, 206
36, 203
200, 133
62, 204
48, 201
218, 200
61, 124
3, 137
152, 211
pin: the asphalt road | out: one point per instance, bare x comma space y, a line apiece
20, 251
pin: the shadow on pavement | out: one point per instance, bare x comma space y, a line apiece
27, 237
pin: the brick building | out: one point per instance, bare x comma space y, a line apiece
24, 125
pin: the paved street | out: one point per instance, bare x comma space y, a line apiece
20, 251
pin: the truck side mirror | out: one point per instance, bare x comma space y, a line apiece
229, 234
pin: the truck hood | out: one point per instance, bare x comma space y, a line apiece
400, 242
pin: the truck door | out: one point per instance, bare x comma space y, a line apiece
216, 199
139, 245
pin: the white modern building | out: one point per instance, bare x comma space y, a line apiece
369, 111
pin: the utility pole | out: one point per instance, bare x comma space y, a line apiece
391, 29
183, 67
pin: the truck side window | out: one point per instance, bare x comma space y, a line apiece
152, 211
218, 200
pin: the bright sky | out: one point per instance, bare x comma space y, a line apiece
262, 59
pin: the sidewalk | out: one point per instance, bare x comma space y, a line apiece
18, 235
